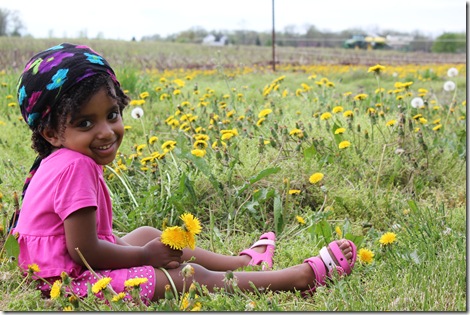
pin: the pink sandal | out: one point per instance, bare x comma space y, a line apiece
318, 264
265, 259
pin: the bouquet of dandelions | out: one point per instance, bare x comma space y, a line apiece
179, 237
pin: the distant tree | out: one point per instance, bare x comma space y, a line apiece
450, 43
10, 23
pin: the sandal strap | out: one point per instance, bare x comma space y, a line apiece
340, 257
263, 242
319, 269
326, 257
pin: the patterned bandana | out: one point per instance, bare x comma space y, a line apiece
51, 73
46, 78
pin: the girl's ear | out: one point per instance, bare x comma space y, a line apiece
51, 136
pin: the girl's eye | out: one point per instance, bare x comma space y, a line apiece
113, 115
84, 124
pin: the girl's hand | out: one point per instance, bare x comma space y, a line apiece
161, 255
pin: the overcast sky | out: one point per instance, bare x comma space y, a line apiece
126, 19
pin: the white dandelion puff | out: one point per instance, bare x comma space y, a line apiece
417, 102
449, 86
137, 113
452, 72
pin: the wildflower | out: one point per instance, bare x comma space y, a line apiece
187, 271
100, 285
265, 112
119, 296
300, 220
68, 308
391, 123
316, 177
137, 113
376, 69
33, 268
191, 223
56, 290
360, 97
337, 109
296, 132
294, 191
144, 95
436, 128
153, 139
423, 120
348, 113
260, 121
340, 131
198, 152
135, 282
388, 238
379, 90
325, 116
168, 145
417, 102
365, 255
137, 102
338, 231
344, 144
452, 72
174, 237
449, 86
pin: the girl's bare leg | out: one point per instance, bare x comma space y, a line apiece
208, 259
300, 277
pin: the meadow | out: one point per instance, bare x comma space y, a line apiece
370, 148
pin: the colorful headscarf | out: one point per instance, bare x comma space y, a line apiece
46, 78
51, 73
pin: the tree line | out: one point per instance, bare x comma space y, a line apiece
11, 25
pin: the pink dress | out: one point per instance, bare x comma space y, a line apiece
65, 182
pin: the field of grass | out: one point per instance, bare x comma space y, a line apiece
241, 147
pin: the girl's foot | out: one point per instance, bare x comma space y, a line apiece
338, 256
261, 252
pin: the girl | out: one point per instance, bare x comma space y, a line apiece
73, 103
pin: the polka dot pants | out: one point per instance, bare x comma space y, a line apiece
118, 276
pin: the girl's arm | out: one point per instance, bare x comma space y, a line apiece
80, 232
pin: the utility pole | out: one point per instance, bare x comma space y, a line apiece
274, 43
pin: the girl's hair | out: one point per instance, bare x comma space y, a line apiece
69, 105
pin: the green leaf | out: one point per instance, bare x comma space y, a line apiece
309, 152
12, 247
278, 214
262, 174
323, 229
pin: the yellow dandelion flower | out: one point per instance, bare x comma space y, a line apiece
296, 132
144, 95
175, 237
344, 144
300, 220
315, 178
360, 97
33, 267
191, 223
153, 139
348, 113
337, 109
135, 282
436, 128
338, 231
376, 69
391, 123
294, 192
56, 289
137, 102
198, 152
190, 240
119, 296
388, 238
168, 145
340, 131
100, 285
326, 116
265, 112
366, 256
68, 308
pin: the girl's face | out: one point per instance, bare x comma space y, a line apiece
96, 132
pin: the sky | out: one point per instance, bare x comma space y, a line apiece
124, 20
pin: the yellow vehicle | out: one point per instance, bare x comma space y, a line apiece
368, 42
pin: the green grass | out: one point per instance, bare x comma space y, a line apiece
239, 192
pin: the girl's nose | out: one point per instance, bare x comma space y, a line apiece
105, 131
